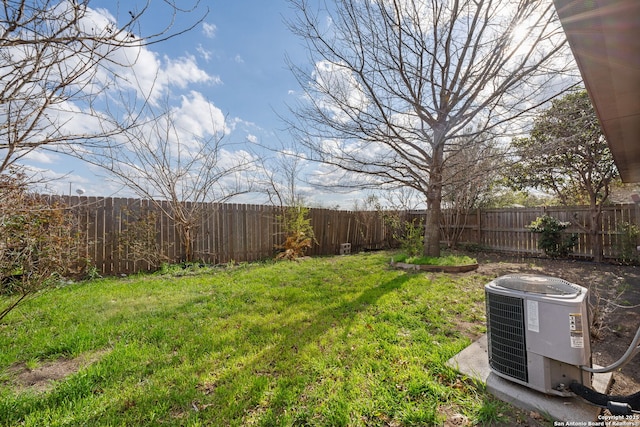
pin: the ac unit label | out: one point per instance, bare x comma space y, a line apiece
533, 319
575, 328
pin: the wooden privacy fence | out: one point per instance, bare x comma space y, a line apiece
118, 235
507, 230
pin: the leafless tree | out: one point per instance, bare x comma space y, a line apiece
180, 169
395, 82
471, 172
57, 58
282, 176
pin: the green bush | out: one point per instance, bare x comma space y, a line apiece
408, 234
412, 240
627, 242
553, 241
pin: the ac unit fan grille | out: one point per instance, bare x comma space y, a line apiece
507, 346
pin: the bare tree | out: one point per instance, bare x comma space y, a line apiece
470, 174
57, 58
282, 176
181, 168
396, 82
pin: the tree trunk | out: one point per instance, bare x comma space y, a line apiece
596, 239
432, 231
434, 200
186, 235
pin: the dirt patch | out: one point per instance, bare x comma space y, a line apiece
43, 377
615, 293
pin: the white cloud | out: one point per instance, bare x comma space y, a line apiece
204, 53
252, 139
136, 68
184, 130
238, 59
182, 71
42, 157
237, 122
209, 30
151, 77
199, 116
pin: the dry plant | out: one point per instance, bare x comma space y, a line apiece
299, 234
602, 303
137, 242
35, 242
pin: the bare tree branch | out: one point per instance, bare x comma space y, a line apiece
57, 60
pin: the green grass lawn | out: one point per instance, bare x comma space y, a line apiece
321, 342
447, 260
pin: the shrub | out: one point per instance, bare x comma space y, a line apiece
35, 242
627, 242
299, 235
553, 241
138, 242
412, 240
408, 233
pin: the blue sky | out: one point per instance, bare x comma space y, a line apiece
234, 60
246, 43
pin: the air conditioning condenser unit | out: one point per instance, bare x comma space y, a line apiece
538, 332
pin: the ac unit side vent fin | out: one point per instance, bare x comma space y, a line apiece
506, 344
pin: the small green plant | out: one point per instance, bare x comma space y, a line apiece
92, 272
298, 231
408, 233
186, 269
628, 234
553, 241
492, 412
412, 241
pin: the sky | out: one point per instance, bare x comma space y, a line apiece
233, 63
